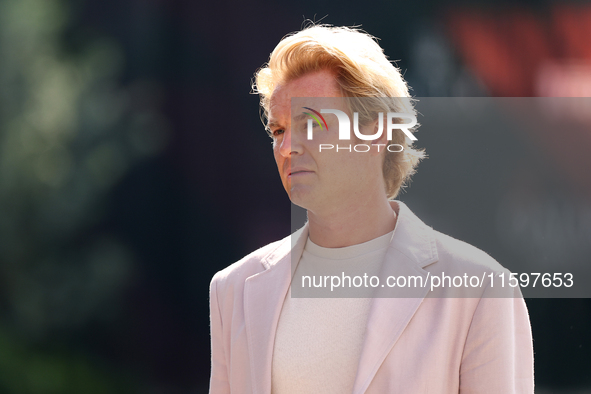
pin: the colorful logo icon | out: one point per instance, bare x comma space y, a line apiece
316, 117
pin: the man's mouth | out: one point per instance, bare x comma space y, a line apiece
298, 171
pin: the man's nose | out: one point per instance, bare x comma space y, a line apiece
289, 145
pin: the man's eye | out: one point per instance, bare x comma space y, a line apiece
277, 132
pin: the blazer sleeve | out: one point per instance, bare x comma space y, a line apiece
498, 353
219, 382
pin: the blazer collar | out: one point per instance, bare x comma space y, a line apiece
264, 294
412, 237
412, 248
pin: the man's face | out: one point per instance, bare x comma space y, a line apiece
317, 180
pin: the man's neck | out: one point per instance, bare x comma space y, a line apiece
353, 224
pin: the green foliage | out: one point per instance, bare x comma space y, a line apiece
68, 134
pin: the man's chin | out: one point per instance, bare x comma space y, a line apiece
300, 196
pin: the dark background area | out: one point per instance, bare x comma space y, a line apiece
133, 166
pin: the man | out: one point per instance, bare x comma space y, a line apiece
265, 339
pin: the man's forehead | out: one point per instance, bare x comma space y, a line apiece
314, 89
315, 84
298, 109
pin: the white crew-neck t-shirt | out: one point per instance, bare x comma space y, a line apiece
319, 340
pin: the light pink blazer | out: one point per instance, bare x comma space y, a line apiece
411, 345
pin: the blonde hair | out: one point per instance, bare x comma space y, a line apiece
361, 69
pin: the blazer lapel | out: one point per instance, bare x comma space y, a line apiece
412, 248
264, 294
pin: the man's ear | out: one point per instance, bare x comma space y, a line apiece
379, 145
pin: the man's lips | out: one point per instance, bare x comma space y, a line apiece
298, 171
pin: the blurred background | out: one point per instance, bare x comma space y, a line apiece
133, 166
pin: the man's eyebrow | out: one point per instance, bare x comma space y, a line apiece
297, 118
273, 123
300, 117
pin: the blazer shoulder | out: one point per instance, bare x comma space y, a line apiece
249, 265
463, 256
